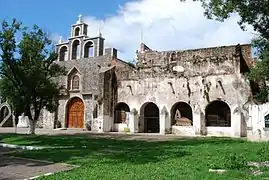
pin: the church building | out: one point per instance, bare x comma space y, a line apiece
184, 92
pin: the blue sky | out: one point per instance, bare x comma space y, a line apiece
56, 15
166, 24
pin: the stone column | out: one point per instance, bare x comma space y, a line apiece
198, 121
133, 121
164, 117
236, 124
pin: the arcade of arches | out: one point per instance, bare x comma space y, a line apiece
218, 114
75, 111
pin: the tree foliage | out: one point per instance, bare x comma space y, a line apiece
27, 70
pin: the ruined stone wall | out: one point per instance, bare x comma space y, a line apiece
196, 77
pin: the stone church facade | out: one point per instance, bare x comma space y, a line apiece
185, 92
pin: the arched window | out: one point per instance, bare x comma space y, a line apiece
63, 54
218, 113
88, 50
75, 83
75, 49
77, 30
120, 113
266, 121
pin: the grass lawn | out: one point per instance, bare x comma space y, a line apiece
116, 158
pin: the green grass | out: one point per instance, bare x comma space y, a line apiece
116, 158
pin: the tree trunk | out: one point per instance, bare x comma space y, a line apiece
32, 125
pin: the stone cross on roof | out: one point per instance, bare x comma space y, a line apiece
79, 18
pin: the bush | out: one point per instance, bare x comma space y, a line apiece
235, 161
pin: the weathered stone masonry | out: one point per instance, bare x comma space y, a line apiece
187, 92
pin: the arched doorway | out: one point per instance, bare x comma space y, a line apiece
181, 114
151, 117
218, 114
75, 113
121, 113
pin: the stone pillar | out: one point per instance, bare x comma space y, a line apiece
236, 124
164, 117
133, 121
106, 123
197, 123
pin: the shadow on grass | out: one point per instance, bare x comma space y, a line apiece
108, 150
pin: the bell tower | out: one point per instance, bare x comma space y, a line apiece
79, 29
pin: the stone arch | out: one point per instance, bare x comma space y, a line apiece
150, 117
75, 113
88, 49
121, 112
63, 53
181, 114
77, 31
6, 116
75, 49
218, 114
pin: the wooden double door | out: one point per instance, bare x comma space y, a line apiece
75, 114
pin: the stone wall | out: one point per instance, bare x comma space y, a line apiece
196, 77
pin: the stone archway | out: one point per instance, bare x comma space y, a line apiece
218, 114
181, 114
75, 113
151, 117
121, 112
6, 116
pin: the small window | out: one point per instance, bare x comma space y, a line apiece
75, 83
266, 120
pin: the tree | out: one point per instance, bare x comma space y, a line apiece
255, 13
28, 71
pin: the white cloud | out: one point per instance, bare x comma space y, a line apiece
166, 25
55, 37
